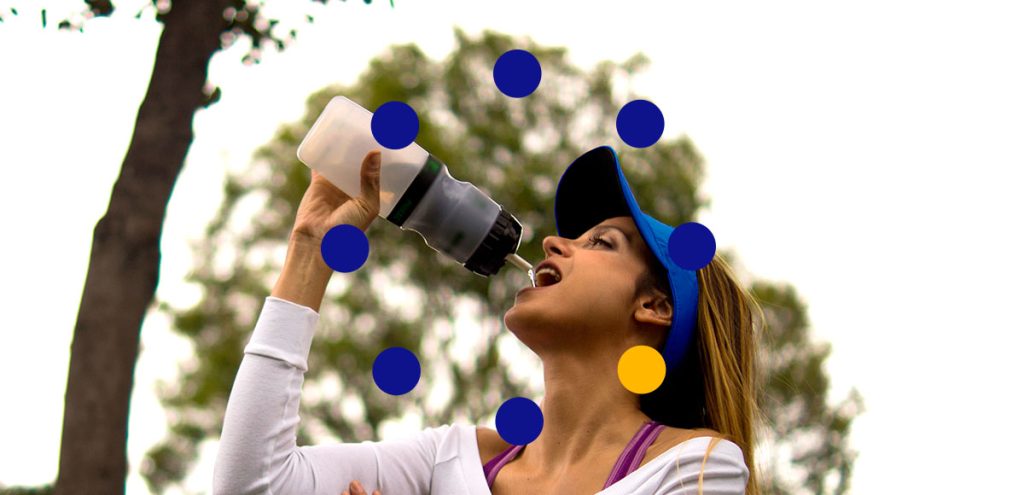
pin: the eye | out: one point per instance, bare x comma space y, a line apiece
595, 239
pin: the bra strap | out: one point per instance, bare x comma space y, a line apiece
634, 452
494, 465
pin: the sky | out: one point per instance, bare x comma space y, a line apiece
867, 153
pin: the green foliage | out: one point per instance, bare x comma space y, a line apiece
794, 400
24, 490
512, 149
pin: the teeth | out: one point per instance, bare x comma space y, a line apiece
553, 273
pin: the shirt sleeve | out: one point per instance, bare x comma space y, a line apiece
258, 452
725, 472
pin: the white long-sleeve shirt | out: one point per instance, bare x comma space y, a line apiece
258, 452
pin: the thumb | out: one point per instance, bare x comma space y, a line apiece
370, 184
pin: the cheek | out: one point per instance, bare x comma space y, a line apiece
601, 291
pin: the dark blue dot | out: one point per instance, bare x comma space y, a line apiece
519, 421
395, 125
691, 246
517, 73
396, 370
640, 123
345, 248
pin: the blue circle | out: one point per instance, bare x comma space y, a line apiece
395, 125
517, 73
396, 370
691, 246
345, 248
640, 123
519, 421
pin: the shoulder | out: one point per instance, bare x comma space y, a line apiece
489, 443
679, 435
702, 454
703, 440
671, 437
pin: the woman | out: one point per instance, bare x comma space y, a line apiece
612, 291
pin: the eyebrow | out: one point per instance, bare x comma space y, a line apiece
605, 228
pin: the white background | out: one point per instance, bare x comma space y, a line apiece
868, 153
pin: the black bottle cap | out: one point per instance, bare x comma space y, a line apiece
501, 241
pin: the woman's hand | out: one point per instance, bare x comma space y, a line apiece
354, 488
324, 206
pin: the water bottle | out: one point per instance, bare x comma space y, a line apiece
416, 191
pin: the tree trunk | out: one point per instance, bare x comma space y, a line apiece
125, 260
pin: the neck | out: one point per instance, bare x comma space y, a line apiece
587, 414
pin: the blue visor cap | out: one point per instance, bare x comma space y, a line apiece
593, 189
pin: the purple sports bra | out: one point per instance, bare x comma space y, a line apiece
629, 460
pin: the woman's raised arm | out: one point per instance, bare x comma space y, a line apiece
258, 451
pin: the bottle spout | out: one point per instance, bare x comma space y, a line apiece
519, 262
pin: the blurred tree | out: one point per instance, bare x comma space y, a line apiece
15, 490
408, 295
125, 259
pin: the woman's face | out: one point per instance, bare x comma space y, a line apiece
592, 308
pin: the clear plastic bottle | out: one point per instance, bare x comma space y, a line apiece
416, 191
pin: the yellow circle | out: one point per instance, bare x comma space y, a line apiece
641, 369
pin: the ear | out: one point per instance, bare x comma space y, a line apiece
654, 308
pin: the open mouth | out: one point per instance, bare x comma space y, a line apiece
547, 276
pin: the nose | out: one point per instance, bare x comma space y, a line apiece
554, 245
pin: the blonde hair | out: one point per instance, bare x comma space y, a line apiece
724, 355
726, 335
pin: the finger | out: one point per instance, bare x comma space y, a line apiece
376, 492
345, 493
318, 177
370, 183
358, 488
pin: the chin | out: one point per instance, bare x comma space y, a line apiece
510, 321
527, 329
